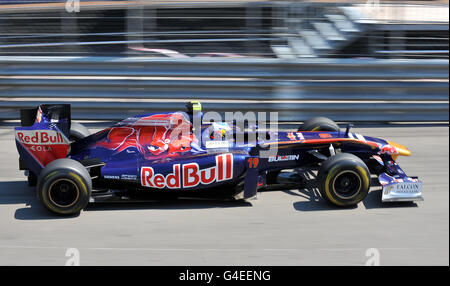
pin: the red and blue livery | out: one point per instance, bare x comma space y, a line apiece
168, 155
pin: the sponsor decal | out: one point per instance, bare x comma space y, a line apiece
217, 144
189, 175
111, 177
40, 137
43, 145
128, 177
283, 158
39, 148
408, 188
403, 188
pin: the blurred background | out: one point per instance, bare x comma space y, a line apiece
371, 61
382, 64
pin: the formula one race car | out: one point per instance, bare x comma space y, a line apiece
178, 155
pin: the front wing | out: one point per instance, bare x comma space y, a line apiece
397, 186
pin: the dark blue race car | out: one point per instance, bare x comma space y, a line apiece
176, 154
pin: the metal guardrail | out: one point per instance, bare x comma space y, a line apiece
342, 89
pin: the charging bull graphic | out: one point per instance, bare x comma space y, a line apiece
164, 135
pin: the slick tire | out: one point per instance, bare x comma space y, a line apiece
344, 180
78, 131
319, 124
64, 186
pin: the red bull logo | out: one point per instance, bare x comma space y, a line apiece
189, 175
41, 137
43, 145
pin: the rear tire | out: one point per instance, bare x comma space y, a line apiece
78, 131
319, 124
344, 180
64, 186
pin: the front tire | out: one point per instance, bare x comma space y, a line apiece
319, 124
64, 186
344, 180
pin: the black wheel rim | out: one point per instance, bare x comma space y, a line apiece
63, 193
347, 184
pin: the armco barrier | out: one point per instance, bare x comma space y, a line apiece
342, 89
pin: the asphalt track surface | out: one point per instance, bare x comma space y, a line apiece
290, 227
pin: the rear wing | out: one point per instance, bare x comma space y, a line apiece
43, 135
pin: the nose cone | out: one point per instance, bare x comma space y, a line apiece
402, 150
